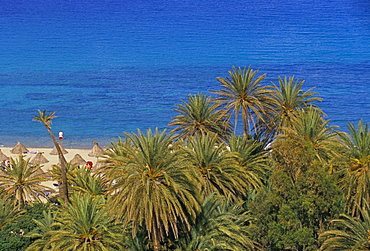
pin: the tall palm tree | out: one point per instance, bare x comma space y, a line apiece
220, 225
200, 114
22, 182
287, 99
244, 94
351, 233
85, 224
46, 119
218, 168
153, 187
356, 180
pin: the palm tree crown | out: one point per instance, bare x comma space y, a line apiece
153, 188
352, 233
22, 182
312, 131
217, 167
356, 179
244, 94
200, 114
85, 224
287, 99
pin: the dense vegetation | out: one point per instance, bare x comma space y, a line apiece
253, 166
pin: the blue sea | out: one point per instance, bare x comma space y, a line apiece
113, 66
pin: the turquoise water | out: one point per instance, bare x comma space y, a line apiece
112, 66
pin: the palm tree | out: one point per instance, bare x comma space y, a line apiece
287, 99
199, 114
85, 224
87, 182
252, 157
352, 233
218, 168
47, 121
356, 180
8, 211
22, 182
312, 131
153, 187
244, 94
41, 232
220, 226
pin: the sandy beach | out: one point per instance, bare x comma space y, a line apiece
53, 159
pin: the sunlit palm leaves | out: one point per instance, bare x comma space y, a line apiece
42, 232
352, 233
153, 186
218, 168
356, 180
8, 211
22, 182
220, 226
244, 96
199, 114
312, 131
85, 224
288, 99
252, 157
87, 182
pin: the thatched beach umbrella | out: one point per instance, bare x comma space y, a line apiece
96, 151
39, 159
77, 159
3, 157
55, 152
19, 149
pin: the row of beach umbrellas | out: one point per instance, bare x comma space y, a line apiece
41, 159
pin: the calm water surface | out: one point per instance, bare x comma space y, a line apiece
113, 66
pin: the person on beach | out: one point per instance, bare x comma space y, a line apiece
61, 137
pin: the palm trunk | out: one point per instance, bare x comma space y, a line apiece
156, 244
21, 200
63, 190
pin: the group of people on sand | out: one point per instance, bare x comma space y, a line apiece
5, 164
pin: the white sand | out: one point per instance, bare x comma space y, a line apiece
53, 159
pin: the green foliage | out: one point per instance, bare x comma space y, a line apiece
243, 95
12, 235
220, 225
218, 169
21, 182
348, 233
291, 214
8, 211
199, 115
356, 173
84, 224
153, 187
287, 99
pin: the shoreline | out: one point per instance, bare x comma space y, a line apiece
53, 159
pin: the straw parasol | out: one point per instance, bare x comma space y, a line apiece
77, 159
96, 151
3, 157
19, 149
39, 159
55, 152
